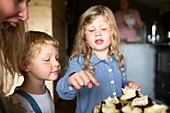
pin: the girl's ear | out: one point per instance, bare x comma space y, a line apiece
25, 66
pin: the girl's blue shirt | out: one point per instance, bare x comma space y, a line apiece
106, 72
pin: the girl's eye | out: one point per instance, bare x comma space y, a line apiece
91, 29
104, 28
47, 59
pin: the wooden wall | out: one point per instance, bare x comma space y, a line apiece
40, 16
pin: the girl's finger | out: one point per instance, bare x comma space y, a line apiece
76, 84
93, 79
80, 80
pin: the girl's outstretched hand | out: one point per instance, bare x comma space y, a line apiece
82, 78
133, 85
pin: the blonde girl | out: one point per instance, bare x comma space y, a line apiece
96, 59
39, 63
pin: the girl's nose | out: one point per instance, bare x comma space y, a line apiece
23, 14
98, 33
56, 63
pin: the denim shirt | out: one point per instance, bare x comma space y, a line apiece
106, 72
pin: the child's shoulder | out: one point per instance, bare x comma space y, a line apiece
78, 58
17, 102
16, 98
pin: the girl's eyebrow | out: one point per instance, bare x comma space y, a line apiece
45, 54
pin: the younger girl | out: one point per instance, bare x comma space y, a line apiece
95, 59
39, 63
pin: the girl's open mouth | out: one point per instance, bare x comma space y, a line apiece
99, 41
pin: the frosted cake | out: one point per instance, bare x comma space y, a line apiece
131, 101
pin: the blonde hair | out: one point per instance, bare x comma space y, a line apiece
34, 42
80, 41
11, 45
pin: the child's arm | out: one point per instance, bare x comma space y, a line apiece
64, 89
133, 85
82, 78
67, 87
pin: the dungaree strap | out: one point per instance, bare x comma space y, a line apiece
31, 100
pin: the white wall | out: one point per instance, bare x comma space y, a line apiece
140, 59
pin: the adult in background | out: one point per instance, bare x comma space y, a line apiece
128, 22
11, 34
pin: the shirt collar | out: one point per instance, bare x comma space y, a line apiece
94, 59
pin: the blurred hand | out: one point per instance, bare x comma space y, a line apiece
133, 85
83, 78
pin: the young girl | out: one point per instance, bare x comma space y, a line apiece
96, 60
39, 63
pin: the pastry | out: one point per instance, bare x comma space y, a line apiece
130, 102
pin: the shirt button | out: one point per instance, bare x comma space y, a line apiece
70, 88
110, 70
114, 93
112, 82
